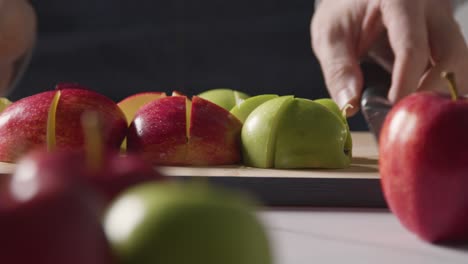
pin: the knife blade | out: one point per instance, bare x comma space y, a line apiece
374, 103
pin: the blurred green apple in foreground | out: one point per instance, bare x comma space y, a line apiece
226, 98
242, 110
288, 132
185, 223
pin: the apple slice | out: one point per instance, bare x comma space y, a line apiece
132, 103
243, 109
176, 131
23, 124
310, 136
214, 137
341, 113
288, 132
226, 98
259, 133
159, 131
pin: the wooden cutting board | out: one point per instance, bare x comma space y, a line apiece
356, 186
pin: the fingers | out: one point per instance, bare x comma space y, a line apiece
407, 33
17, 29
449, 53
333, 44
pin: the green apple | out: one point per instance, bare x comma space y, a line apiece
181, 223
332, 106
242, 110
226, 98
288, 132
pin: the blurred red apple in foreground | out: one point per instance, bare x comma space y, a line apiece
175, 131
424, 165
50, 216
23, 123
118, 172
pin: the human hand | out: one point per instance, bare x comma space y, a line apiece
415, 40
17, 34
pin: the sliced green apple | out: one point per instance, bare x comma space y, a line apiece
289, 132
226, 98
243, 109
259, 132
332, 106
310, 136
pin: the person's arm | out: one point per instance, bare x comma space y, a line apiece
17, 37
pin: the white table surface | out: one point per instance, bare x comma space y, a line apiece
344, 235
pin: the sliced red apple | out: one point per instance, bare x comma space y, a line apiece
23, 124
214, 135
132, 103
176, 131
159, 131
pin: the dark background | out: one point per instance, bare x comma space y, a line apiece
120, 47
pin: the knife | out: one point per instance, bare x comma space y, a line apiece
374, 103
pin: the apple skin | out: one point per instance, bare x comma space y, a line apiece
158, 131
226, 98
132, 103
23, 124
114, 174
332, 106
214, 135
185, 223
288, 132
119, 172
424, 165
243, 109
49, 216
166, 134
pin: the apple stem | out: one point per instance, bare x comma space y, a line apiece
93, 141
51, 122
450, 77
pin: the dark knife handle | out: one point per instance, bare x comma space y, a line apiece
374, 102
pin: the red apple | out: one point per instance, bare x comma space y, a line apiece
50, 216
176, 131
23, 123
424, 165
118, 172
132, 103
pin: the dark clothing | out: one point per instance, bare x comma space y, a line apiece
122, 47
